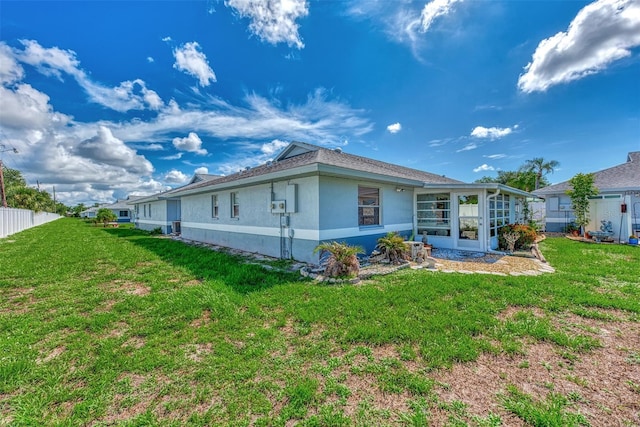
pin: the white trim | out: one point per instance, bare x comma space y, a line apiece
300, 233
152, 222
559, 220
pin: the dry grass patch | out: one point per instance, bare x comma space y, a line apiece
197, 352
599, 383
51, 355
203, 320
128, 286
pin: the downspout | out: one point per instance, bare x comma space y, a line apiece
488, 218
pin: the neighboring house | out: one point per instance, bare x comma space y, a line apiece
121, 208
163, 209
89, 213
618, 200
309, 195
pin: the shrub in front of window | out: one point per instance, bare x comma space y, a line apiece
341, 259
106, 216
526, 236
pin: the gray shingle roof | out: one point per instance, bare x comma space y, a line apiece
302, 154
625, 176
196, 181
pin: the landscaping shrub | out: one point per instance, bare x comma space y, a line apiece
393, 248
342, 259
527, 235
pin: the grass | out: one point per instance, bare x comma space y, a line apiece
115, 326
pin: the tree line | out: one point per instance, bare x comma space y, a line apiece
528, 177
20, 196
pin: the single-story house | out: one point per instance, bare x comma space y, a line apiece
89, 213
121, 208
162, 209
618, 200
309, 194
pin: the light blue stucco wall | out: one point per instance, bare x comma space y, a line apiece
257, 228
162, 213
326, 208
339, 212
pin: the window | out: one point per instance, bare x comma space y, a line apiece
214, 206
368, 206
498, 213
434, 214
235, 206
149, 210
145, 210
124, 214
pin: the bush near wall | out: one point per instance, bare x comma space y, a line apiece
527, 235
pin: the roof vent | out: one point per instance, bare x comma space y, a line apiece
247, 168
338, 150
269, 162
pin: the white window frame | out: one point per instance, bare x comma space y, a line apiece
235, 205
369, 205
215, 208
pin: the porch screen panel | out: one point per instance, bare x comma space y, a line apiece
433, 213
368, 206
498, 213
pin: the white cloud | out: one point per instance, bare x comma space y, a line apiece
318, 119
166, 39
483, 168
50, 61
150, 59
123, 97
492, 132
10, 70
147, 147
24, 107
394, 128
468, 147
176, 156
601, 33
202, 169
401, 20
192, 61
128, 95
433, 10
106, 148
495, 156
274, 21
191, 143
98, 161
174, 176
273, 147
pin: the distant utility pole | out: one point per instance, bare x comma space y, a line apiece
3, 148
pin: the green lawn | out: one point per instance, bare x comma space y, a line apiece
114, 326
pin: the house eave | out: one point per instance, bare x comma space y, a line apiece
481, 186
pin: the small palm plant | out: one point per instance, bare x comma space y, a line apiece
342, 260
393, 248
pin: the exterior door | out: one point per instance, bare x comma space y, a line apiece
469, 231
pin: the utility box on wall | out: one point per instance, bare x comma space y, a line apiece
278, 206
291, 199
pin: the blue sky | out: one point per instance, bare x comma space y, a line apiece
109, 99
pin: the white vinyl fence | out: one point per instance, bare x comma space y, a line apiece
15, 220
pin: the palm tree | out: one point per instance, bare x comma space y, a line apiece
541, 167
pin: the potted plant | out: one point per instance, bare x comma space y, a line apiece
633, 239
573, 229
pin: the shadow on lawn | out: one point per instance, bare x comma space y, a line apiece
206, 264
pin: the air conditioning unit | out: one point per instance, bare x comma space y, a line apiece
175, 227
278, 206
